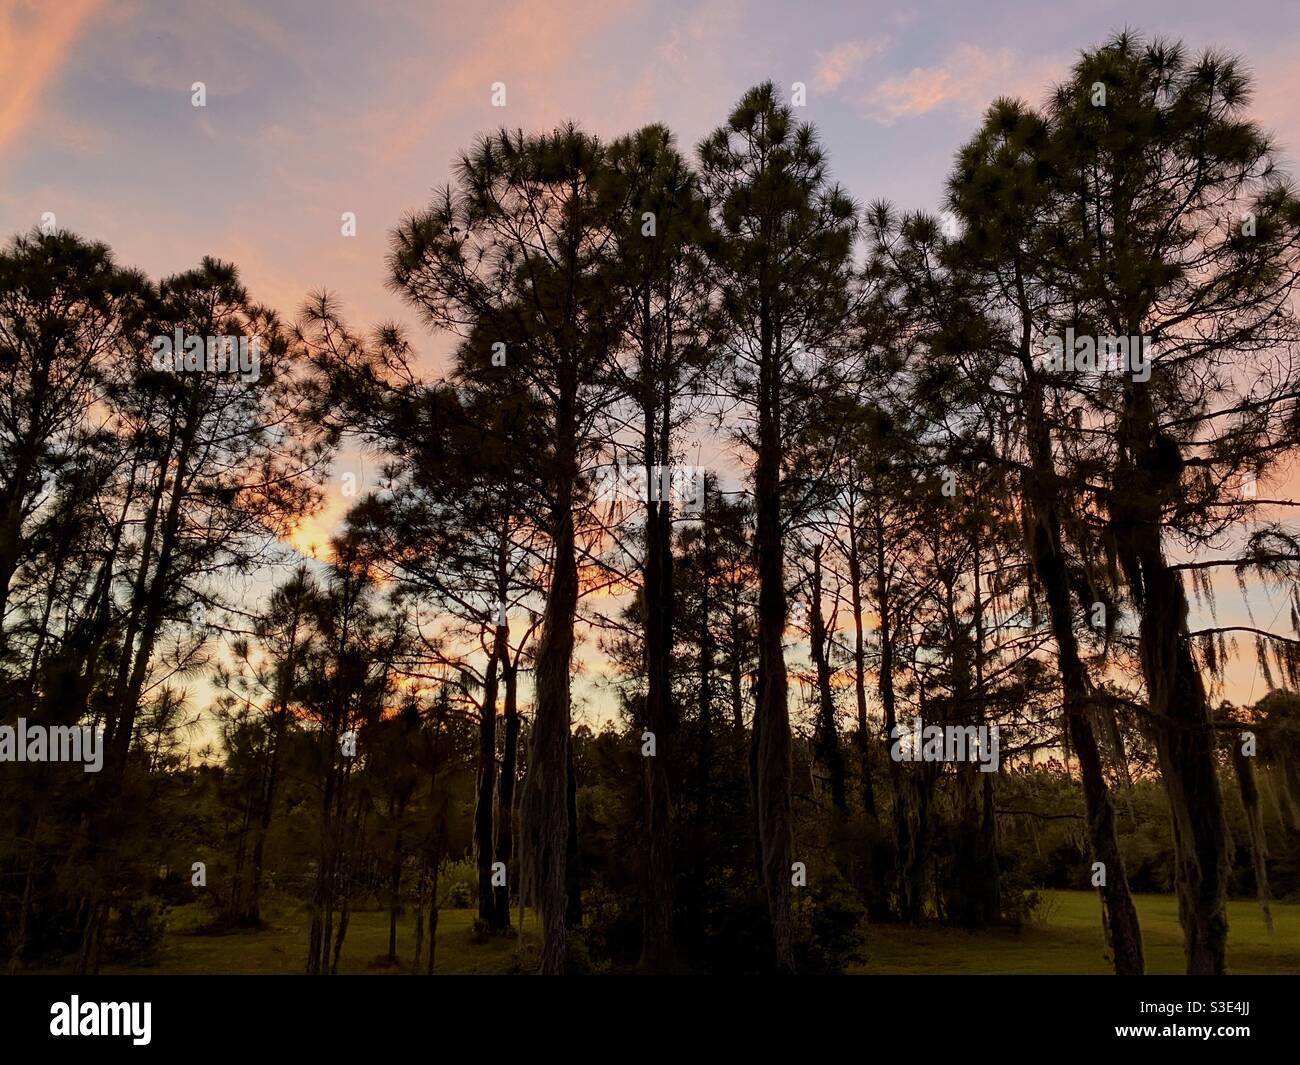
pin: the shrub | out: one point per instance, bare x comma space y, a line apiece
831, 926
459, 887
136, 937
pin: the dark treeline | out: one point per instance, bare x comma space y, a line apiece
921, 514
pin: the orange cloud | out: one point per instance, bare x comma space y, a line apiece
34, 40
969, 79
526, 48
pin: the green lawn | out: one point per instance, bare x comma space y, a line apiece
1067, 940
282, 946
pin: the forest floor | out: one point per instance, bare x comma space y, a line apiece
1066, 938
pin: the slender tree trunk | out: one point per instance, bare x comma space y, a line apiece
573, 871
395, 880
433, 920
988, 848
439, 848
505, 796
419, 922
136, 609
349, 854
1245, 771
1049, 566
1042, 488
828, 736
148, 601
484, 840
862, 738
117, 738
254, 909
909, 907
657, 912
1184, 730
47, 610
234, 907
696, 888
546, 789
772, 757
323, 893
1185, 744
735, 674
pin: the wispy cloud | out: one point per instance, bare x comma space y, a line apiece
526, 47
687, 72
846, 60
34, 39
967, 80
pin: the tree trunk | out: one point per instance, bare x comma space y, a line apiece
1049, 566
253, 914
435, 866
546, 788
117, 738
771, 757
1184, 730
1245, 770
1041, 488
505, 796
862, 738
395, 881
484, 841
828, 736
695, 889
909, 908
1185, 743
736, 672
419, 922
657, 912
573, 872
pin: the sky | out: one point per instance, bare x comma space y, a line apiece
313, 108
316, 108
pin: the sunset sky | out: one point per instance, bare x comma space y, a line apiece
316, 107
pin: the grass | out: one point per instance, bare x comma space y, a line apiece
281, 947
1067, 939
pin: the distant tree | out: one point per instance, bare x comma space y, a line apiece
349, 685
260, 695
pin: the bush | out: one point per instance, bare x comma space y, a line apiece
832, 923
136, 937
459, 887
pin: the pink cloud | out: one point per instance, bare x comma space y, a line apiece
526, 48
686, 74
845, 60
968, 79
34, 40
